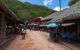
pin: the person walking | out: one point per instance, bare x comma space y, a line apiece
23, 33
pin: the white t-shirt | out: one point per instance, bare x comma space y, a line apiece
23, 31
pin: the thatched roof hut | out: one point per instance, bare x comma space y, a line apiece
72, 13
57, 18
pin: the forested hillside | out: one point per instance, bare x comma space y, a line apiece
27, 11
72, 2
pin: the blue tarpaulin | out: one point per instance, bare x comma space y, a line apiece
52, 25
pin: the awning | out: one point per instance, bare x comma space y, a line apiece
32, 24
43, 26
67, 24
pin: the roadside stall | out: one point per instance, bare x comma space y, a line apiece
71, 20
32, 26
8, 23
43, 27
73, 29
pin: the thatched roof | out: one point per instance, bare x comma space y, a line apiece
58, 18
72, 13
6, 10
52, 16
72, 16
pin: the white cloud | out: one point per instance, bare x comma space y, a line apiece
58, 8
46, 2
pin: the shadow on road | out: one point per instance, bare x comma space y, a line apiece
71, 43
8, 43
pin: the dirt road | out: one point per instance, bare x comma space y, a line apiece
37, 40
40, 41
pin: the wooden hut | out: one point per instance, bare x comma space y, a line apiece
72, 15
69, 14
7, 19
70, 19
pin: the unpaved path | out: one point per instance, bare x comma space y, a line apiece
37, 40
40, 41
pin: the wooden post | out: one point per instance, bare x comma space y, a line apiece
2, 26
0, 23
78, 27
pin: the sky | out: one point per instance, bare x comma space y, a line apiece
52, 4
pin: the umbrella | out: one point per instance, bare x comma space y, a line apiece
52, 25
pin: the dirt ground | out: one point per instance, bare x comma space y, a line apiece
38, 40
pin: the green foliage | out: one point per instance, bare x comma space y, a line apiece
26, 11
37, 10
72, 2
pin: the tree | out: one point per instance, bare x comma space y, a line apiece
72, 2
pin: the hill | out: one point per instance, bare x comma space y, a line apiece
27, 11
71, 2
